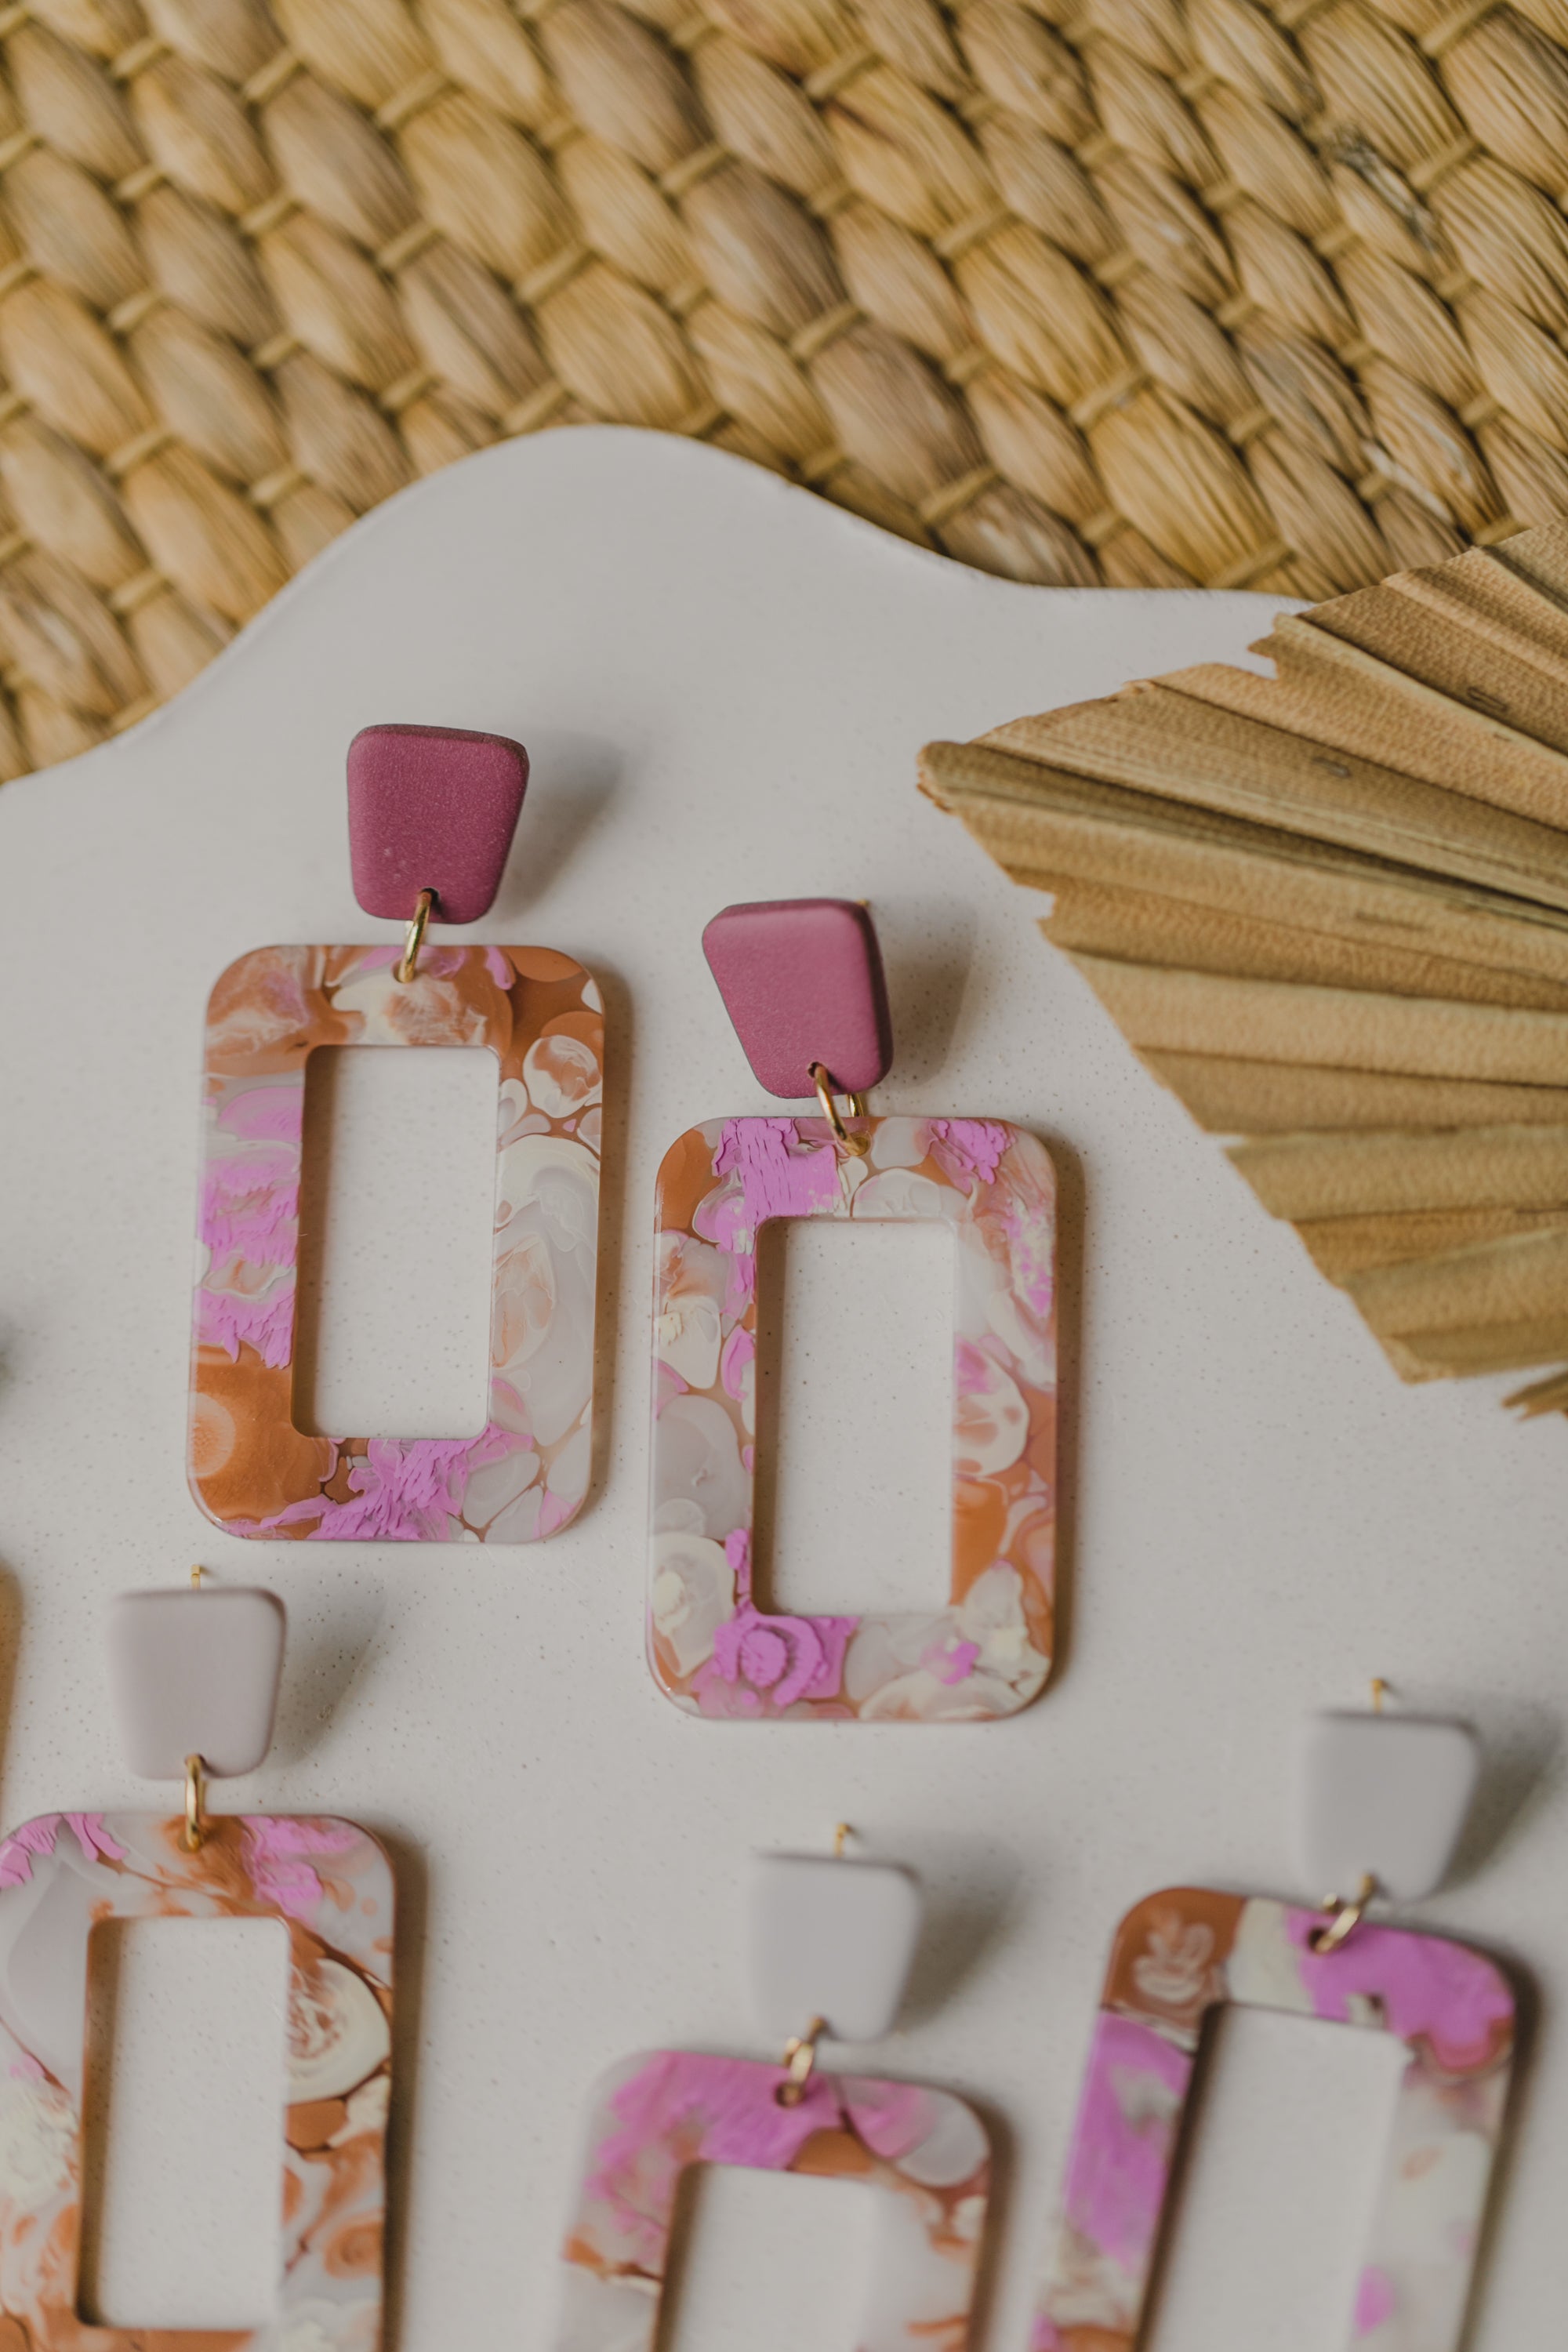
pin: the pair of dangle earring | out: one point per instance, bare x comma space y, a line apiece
1382, 1800
831, 1942
802, 982
432, 812
195, 1679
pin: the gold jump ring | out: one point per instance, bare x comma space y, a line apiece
195, 1804
857, 1146
800, 2058
413, 938
1346, 1919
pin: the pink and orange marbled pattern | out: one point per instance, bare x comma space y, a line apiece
331, 1887
1180, 1954
986, 1655
657, 2114
526, 1474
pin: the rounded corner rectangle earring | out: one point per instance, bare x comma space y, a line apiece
330, 1886
1181, 1953
441, 804
526, 1474
657, 2114
988, 1653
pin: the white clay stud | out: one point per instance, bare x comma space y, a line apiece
831, 1942
1384, 1797
195, 1674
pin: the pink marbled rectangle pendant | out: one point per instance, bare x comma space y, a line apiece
988, 1653
657, 2114
330, 1886
1186, 1951
526, 1474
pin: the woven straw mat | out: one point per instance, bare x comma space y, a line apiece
1085, 290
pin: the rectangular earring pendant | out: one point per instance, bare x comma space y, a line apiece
660, 2112
1184, 1952
988, 1653
330, 1886
525, 1475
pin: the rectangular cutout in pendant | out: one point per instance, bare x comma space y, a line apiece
770, 2260
854, 1415
181, 2222
1286, 2150
396, 1216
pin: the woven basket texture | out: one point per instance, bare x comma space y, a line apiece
1129, 291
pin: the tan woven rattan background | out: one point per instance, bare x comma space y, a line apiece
1139, 291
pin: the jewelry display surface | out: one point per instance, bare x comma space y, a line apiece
1254, 1517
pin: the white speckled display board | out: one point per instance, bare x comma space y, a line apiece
723, 683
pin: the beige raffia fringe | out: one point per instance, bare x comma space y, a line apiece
1078, 291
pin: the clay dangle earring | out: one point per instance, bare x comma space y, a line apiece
831, 1944
802, 981
194, 1679
431, 816
1382, 1799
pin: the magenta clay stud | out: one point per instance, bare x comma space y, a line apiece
802, 981
431, 816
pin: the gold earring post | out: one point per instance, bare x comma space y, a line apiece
800, 2058
1347, 1918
